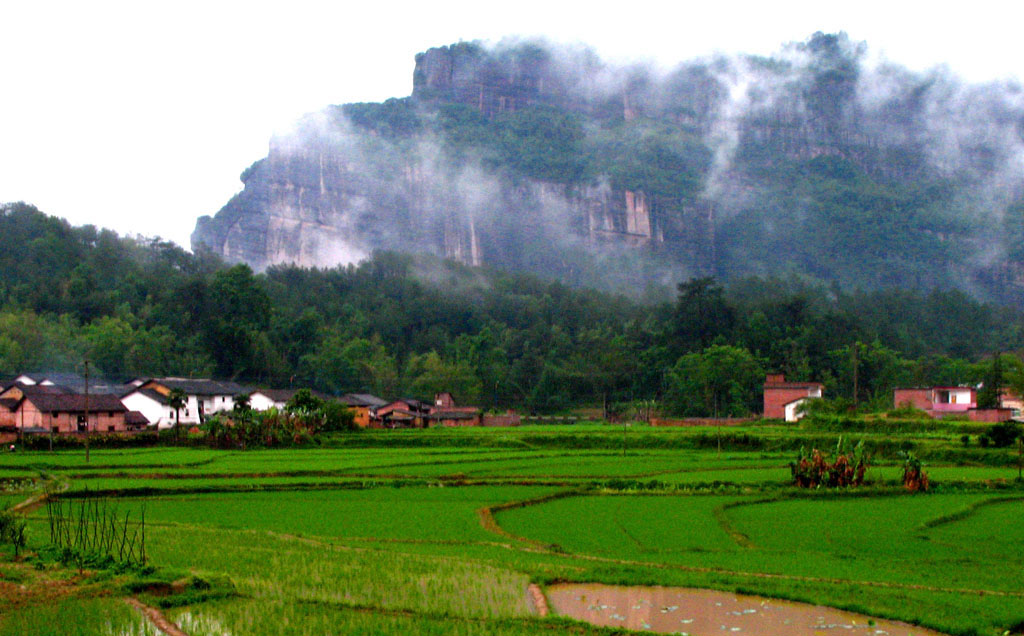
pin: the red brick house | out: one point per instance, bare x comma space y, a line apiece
782, 399
937, 400
446, 413
402, 413
362, 404
68, 413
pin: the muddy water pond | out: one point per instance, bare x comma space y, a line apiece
673, 610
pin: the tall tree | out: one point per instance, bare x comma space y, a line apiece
701, 315
720, 381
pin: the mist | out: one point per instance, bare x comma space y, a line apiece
454, 171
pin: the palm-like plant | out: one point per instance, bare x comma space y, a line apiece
177, 400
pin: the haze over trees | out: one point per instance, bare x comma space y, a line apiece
399, 324
812, 163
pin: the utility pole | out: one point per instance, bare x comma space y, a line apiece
718, 426
856, 346
87, 411
1020, 457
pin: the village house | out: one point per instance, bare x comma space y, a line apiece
266, 399
937, 400
943, 401
46, 409
203, 397
153, 405
402, 413
444, 412
782, 399
362, 404
1009, 399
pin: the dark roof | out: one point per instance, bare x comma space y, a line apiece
401, 414
152, 394
43, 389
202, 386
75, 383
75, 403
135, 418
283, 395
363, 399
793, 385
67, 379
414, 403
9, 403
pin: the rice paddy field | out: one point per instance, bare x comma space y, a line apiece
445, 531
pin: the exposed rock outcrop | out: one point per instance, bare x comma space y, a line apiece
546, 159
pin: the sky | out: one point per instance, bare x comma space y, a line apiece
139, 116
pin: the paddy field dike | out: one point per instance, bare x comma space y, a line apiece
454, 531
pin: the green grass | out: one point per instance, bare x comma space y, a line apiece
323, 539
628, 527
289, 569
415, 513
77, 617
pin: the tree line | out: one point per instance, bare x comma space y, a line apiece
404, 325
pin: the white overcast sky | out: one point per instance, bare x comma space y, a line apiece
139, 116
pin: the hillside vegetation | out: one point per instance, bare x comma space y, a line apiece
404, 325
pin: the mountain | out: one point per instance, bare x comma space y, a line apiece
534, 157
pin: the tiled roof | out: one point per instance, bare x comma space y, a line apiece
283, 395
76, 403
202, 386
152, 394
135, 418
363, 399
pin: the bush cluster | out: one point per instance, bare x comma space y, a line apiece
813, 470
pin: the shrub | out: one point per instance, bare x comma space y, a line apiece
908, 411
12, 530
914, 477
1004, 434
814, 470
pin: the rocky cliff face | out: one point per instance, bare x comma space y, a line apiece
542, 158
321, 197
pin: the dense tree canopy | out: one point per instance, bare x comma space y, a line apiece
145, 307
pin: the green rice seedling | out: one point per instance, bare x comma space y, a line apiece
77, 617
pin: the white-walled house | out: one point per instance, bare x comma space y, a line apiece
266, 399
203, 397
154, 406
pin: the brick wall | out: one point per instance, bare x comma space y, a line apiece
776, 399
917, 398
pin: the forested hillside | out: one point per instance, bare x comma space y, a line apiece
412, 325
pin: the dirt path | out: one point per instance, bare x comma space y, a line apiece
540, 602
156, 617
38, 499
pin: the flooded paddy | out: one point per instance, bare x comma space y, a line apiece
697, 612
